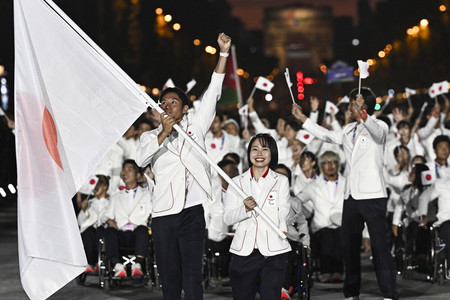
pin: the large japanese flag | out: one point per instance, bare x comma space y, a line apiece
72, 105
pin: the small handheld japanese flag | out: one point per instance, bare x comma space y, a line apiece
264, 84
344, 100
438, 88
88, 187
331, 107
409, 92
427, 177
304, 136
190, 85
243, 111
363, 69
169, 84
288, 78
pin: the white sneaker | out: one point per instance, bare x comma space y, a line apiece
119, 271
352, 298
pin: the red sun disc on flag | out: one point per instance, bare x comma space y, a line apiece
306, 136
92, 181
51, 137
428, 177
213, 146
264, 84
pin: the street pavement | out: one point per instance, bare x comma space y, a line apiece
11, 289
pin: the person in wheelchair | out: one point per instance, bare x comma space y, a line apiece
218, 239
440, 189
128, 215
406, 213
297, 234
92, 222
327, 196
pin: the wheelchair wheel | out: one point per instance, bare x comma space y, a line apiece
436, 268
304, 280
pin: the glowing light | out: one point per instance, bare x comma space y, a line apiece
371, 62
159, 11
2, 70
355, 42
213, 50
11, 188
389, 47
167, 18
143, 87
442, 8
197, 42
301, 96
323, 69
270, 77
155, 91
424, 23
269, 97
246, 75
240, 72
381, 54
176, 26
2, 192
308, 80
377, 106
409, 31
208, 49
415, 29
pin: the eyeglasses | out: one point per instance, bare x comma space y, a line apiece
332, 162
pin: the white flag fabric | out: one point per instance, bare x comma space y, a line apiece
264, 84
288, 78
169, 84
409, 92
190, 85
343, 100
243, 111
363, 69
304, 136
427, 177
331, 107
438, 88
72, 105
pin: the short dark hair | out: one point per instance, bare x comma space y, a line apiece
403, 123
439, 139
288, 171
369, 98
184, 98
232, 156
266, 141
295, 125
225, 162
133, 164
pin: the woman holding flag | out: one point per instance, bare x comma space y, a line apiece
182, 184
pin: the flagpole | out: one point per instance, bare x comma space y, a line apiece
253, 92
359, 88
409, 101
140, 94
422, 110
289, 84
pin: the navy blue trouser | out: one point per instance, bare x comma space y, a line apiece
244, 276
137, 239
373, 212
179, 243
90, 238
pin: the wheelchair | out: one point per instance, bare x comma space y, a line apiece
303, 272
216, 260
427, 259
106, 277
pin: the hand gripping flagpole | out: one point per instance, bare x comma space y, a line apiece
112, 67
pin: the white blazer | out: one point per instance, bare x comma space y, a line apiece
169, 162
439, 189
124, 208
94, 214
327, 211
364, 158
251, 229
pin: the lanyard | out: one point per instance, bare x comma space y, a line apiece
354, 134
